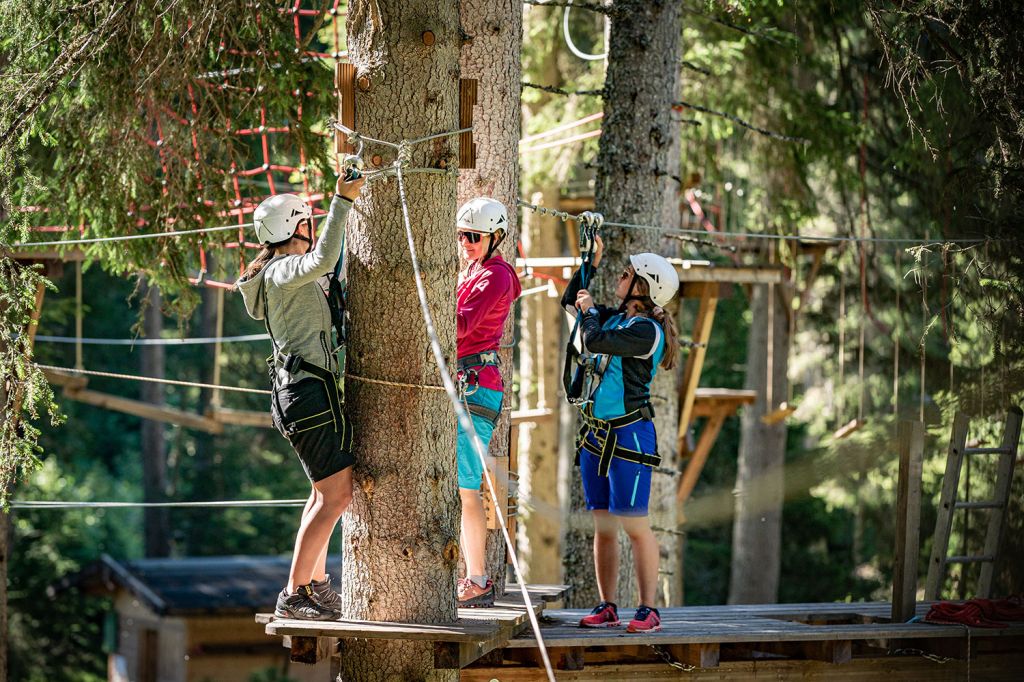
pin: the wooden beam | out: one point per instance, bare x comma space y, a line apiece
910, 439
702, 655
226, 415
695, 362
467, 100
695, 464
63, 379
345, 85
138, 408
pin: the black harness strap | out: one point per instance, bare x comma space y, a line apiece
609, 442
485, 412
485, 359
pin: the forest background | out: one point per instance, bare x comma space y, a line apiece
911, 121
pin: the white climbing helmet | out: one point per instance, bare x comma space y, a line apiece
277, 218
659, 274
482, 214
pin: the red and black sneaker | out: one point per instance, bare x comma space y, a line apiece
646, 619
604, 615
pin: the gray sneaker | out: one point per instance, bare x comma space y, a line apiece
326, 594
303, 605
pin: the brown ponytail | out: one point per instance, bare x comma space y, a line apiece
259, 262
662, 317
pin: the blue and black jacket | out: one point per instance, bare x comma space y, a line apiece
634, 346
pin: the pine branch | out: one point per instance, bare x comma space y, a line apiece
560, 91
734, 27
739, 121
693, 67
579, 4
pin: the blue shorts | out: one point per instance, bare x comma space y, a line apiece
471, 469
626, 490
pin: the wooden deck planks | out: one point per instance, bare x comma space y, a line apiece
756, 623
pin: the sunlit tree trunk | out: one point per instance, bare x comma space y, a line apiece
401, 533
157, 522
631, 182
491, 56
540, 367
756, 534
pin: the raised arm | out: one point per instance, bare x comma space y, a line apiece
298, 270
638, 339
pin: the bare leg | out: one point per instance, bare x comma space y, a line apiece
606, 554
329, 500
303, 520
474, 532
646, 555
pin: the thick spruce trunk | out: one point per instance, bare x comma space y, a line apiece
540, 369
756, 530
491, 56
401, 533
157, 520
631, 183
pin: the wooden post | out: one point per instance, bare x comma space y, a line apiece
910, 439
944, 520
695, 360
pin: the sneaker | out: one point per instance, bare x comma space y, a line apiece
646, 619
303, 605
472, 595
604, 615
326, 594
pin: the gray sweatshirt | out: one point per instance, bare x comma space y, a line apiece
292, 291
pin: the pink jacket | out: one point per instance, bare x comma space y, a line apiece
485, 295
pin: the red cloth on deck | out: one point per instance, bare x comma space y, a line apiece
978, 613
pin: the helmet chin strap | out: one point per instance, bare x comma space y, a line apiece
629, 294
493, 246
308, 240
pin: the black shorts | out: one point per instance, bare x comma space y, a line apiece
302, 413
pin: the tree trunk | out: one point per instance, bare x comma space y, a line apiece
492, 57
5, 530
637, 136
756, 535
401, 533
154, 447
540, 371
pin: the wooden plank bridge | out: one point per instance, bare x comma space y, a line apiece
854, 641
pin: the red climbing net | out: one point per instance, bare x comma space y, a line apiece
291, 169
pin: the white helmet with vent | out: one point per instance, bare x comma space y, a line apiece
660, 275
277, 218
482, 214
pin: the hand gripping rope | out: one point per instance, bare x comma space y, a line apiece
399, 169
582, 386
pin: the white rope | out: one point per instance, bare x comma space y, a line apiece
562, 128
564, 216
155, 380
460, 411
572, 46
153, 342
124, 238
59, 504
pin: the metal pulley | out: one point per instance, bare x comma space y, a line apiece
590, 223
351, 167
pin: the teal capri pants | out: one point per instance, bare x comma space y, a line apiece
471, 468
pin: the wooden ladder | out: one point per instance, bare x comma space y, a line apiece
948, 504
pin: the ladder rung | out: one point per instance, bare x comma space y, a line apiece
987, 451
978, 505
969, 559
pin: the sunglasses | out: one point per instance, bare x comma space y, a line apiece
471, 237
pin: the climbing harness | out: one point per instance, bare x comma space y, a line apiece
608, 446
581, 382
469, 367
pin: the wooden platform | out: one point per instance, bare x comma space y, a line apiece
789, 641
456, 645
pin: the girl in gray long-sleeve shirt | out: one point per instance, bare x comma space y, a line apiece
288, 286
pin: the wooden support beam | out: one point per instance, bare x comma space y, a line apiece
695, 464
312, 650
74, 382
910, 440
695, 362
467, 100
701, 655
226, 415
345, 85
138, 408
